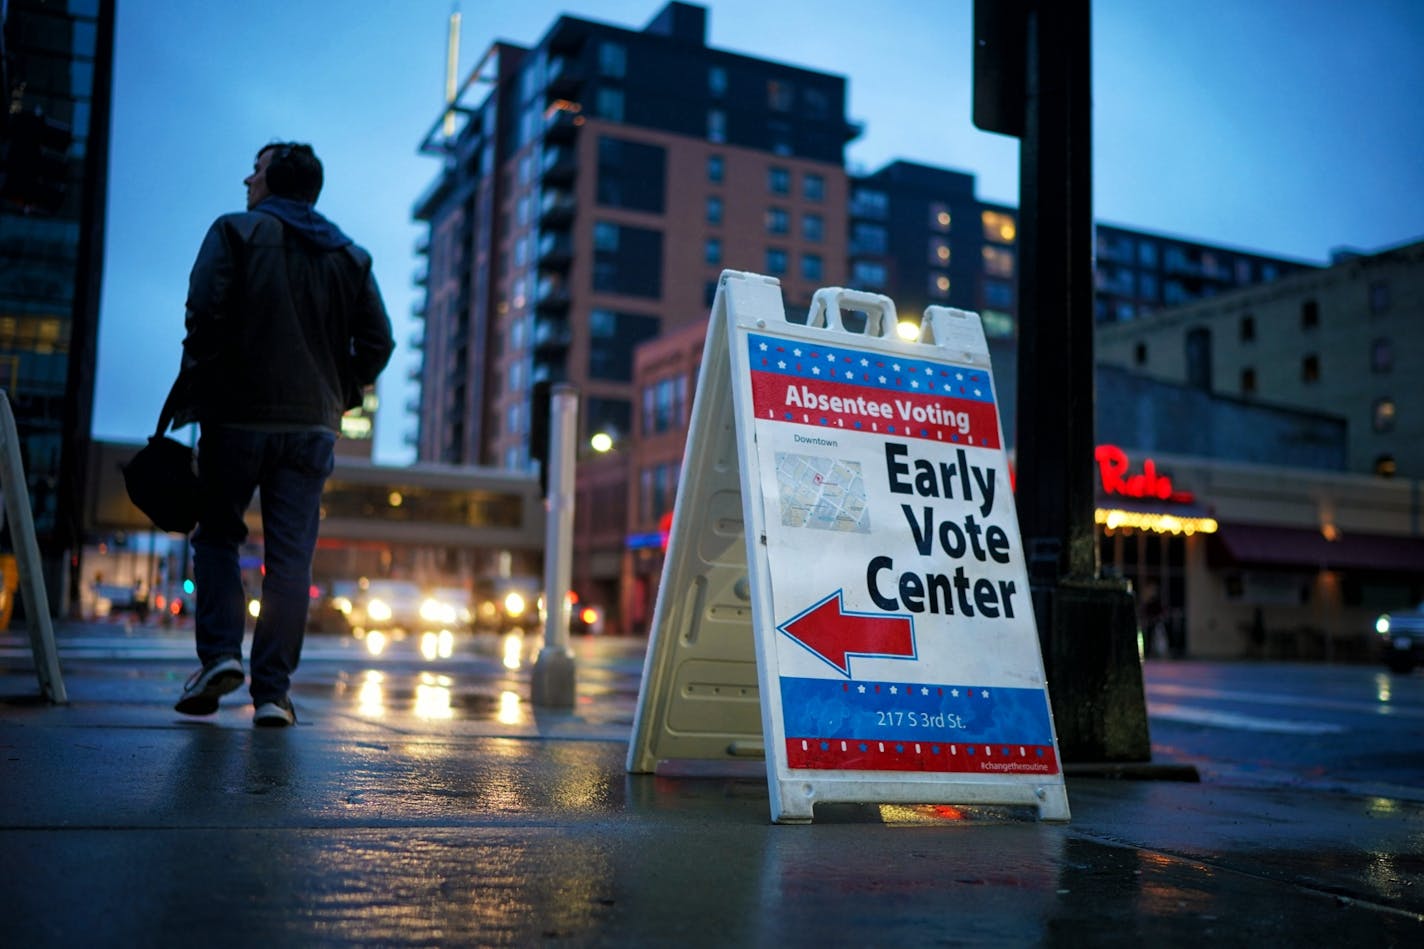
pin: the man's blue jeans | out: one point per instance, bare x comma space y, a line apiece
289, 470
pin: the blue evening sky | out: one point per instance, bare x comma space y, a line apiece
1286, 127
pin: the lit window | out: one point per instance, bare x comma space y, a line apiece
939, 286
939, 252
998, 261
999, 227
939, 216
1383, 415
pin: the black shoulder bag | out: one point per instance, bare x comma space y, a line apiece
161, 479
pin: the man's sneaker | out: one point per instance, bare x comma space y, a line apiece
204, 687
277, 713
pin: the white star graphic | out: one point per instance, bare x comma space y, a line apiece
954, 692
815, 370
959, 376
914, 383
830, 357
781, 365
796, 353
762, 347
882, 380
978, 391
861, 689
894, 690
865, 362
895, 366
985, 693
849, 374
929, 371
924, 691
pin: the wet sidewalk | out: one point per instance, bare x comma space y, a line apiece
421, 801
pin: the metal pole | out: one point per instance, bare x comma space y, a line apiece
552, 683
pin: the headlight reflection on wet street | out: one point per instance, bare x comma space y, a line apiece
435, 676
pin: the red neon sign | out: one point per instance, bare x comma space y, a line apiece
1112, 474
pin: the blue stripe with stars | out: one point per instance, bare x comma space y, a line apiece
897, 711
892, 373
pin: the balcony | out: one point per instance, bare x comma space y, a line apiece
551, 296
556, 209
417, 342
562, 121
556, 250
422, 244
567, 36
564, 78
421, 276
551, 337
559, 165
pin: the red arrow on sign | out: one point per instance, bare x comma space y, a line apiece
835, 635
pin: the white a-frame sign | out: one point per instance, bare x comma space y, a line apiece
845, 587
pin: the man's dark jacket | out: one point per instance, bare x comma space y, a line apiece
285, 323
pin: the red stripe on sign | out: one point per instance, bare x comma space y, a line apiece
860, 408
849, 754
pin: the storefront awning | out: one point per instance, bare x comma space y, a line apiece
1262, 546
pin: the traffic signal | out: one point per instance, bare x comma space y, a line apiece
36, 163
1000, 63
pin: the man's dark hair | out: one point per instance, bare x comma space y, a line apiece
294, 171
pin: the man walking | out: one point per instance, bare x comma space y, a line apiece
285, 326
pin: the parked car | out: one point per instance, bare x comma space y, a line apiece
1401, 635
508, 603
386, 604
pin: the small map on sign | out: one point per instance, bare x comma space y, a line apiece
821, 493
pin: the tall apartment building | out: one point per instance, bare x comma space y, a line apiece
921, 236
56, 65
1347, 339
589, 201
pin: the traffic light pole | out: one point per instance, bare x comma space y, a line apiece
1035, 60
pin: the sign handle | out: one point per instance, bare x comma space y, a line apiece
879, 310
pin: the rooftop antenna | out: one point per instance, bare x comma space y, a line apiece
452, 68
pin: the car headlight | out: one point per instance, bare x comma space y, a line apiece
378, 611
437, 611
342, 604
1382, 624
514, 604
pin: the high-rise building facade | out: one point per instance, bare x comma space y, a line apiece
57, 74
589, 202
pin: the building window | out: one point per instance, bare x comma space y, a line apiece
605, 236
712, 251
1379, 296
939, 217
939, 252
709, 293
813, 227
1199, 358
1385, 466
868, 238
612, 60
1248, 328
716, 125
715, 169
1310, 369
631, 174
714, 210
813, 187
778, 180
1382, 415
868, 275
1248, 381
664, 405
999, 294
867, 202
775, 261
999, 227
939, 286
811, 268
777, 221
780, 96
998, 261
1147, 286
1147, 254
1381, 356
609, 104
1309, 315
612, 339
717, 81
1139, 354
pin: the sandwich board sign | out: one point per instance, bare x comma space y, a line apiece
845, 590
